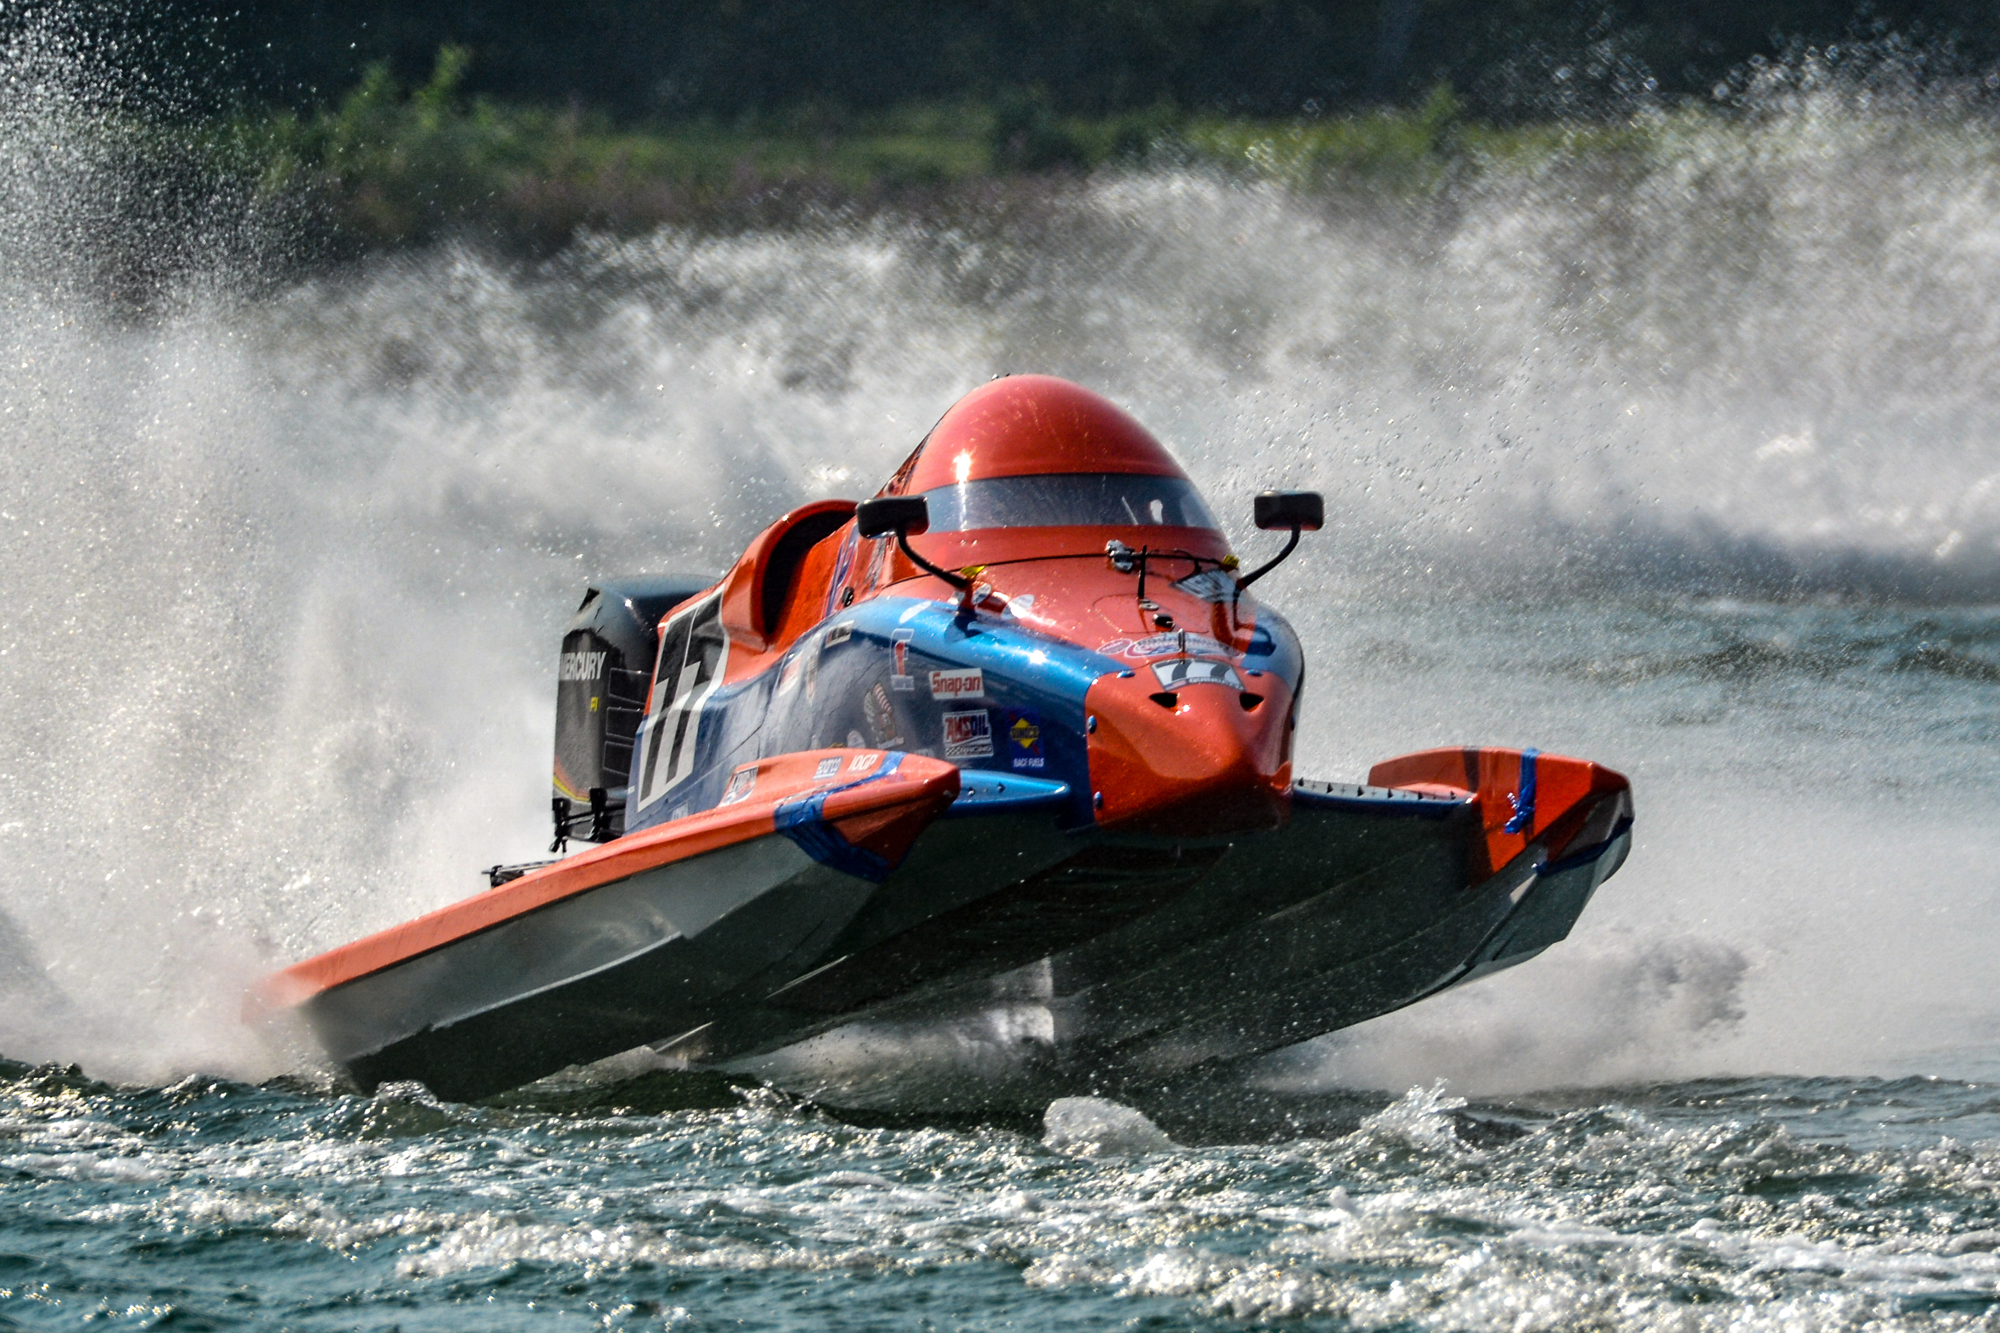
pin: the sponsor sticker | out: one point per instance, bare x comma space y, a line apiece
741, 783
881, 715
692, 660
968, 734
1211, 585
1185, 671
861, 763
952, 685
1024, 738
901, 680
840, 633
841, 567
788, 675
582, 666
826, 768
1159, 645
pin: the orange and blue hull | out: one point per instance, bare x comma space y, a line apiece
855, 884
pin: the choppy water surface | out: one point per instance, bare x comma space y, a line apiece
1745, 1204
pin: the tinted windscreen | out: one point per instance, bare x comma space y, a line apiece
1069, 499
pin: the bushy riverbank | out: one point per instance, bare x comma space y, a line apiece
387, 166
390, 166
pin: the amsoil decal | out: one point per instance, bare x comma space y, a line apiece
581, 666
953, 685
1185, 671
1024, 738
1159, 645
968, 735
693, 653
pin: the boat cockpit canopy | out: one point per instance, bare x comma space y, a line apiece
1066, 500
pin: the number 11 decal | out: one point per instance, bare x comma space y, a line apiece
694, 651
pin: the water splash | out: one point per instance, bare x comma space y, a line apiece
1099, 1127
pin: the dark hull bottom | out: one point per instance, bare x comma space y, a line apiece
1291, 978
1148, 954
1218, 949
1364, 948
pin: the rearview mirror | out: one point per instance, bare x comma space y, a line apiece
1293, 511
902, 514
1278, 510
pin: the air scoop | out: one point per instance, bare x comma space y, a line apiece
1175, 748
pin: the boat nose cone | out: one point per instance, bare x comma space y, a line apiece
1205, 758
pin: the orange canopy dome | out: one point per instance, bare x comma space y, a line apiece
1024, 425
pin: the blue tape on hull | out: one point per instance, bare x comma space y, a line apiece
1524, 803
803, 820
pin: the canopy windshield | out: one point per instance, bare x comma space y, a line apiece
1068, 499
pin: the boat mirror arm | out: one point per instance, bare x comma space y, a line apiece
1301, 511
903, 515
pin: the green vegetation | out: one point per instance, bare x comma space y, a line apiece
389, 166
642, 60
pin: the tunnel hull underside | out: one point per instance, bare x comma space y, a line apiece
1150, 953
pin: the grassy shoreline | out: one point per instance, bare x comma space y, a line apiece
388, 167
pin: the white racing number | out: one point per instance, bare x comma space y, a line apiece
693, 654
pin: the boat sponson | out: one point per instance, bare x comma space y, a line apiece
1318, 966
1368, 900
611, 947
1524, 796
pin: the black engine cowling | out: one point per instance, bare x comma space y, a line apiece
601, 679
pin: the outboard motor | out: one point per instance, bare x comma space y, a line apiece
606, 665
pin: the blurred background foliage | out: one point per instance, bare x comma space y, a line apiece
395, 123
676, 59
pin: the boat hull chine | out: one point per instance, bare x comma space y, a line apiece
630, 943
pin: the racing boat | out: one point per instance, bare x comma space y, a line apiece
1020, 715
